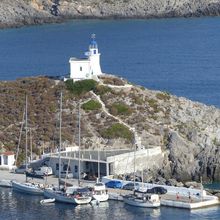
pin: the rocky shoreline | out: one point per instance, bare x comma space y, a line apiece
18, 13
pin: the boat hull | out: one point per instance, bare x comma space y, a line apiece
45, 201
140, 203
28, 188
5, 183
62, 197
101, 198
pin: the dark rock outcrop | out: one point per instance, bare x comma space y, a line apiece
24, 12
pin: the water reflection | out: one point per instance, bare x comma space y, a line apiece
143, 212
14, 205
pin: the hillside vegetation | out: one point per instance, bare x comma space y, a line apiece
188, 132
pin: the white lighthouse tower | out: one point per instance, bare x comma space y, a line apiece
88, 68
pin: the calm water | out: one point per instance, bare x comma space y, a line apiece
180, 56
176, 55
16, 206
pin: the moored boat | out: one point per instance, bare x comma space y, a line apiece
142, 199
45, 201
77, 196
29, 188
99, 192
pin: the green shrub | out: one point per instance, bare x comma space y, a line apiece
101, 89
91, 105
113, 81
120, 109
81, 87
163, 96
138, 100
116, 131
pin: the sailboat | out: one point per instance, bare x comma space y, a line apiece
73, 195
141, 198
27, 187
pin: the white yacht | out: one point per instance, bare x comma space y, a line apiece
99, 192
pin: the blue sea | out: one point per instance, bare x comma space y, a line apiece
180, 56
17, 206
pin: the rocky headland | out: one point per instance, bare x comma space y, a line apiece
25, 12
188, 132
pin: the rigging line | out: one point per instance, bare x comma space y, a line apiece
19, 141
60, 137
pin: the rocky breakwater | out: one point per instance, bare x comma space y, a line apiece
188, 132
23, 12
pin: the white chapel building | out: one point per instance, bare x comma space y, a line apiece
89, 67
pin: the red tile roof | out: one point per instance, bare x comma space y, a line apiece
8, 153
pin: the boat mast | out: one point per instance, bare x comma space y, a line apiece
79, 146
59, 179
31, 156
19, 141
134, 161
98, 165
26, 131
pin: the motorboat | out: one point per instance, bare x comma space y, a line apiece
99, 192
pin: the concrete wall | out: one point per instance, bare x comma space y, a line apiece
144, 159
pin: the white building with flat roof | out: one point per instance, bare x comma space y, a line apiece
7, 160
89, 67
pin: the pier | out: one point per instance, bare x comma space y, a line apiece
178, 197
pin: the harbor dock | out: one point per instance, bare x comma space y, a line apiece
172, 198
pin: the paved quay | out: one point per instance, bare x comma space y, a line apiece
7, 175
49, 180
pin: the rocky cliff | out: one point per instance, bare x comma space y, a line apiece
188, 132
22, 12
